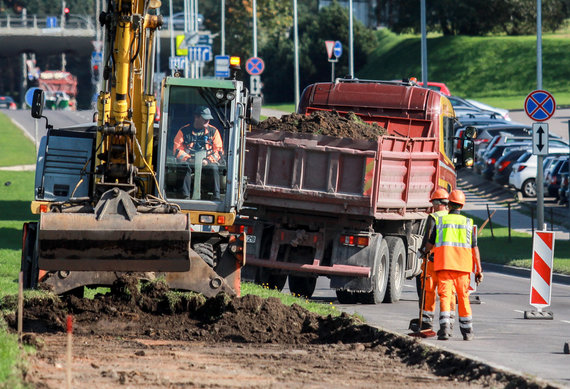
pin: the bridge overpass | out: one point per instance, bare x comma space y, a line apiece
45, 36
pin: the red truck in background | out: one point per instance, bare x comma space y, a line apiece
60, 88
351, 210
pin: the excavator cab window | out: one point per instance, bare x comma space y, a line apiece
197, 146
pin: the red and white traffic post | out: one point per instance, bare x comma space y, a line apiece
541, 275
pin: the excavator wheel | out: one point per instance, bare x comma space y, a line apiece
206, 252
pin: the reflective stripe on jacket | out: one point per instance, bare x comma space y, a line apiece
186, 143
453, 243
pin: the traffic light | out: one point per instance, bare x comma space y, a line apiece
66, 13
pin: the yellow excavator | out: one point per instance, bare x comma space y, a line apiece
114, 197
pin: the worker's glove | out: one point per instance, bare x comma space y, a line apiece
478, 278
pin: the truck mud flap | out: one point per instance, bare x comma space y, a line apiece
146, 242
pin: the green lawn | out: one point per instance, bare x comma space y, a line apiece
498, 70
16, 148
518, 250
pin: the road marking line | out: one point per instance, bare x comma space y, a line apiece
565, 321
518, 310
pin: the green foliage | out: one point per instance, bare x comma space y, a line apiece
329, 23
474, 66
475, 17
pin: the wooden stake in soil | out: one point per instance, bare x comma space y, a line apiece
69, 341
20, 306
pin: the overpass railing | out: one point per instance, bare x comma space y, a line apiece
47, 22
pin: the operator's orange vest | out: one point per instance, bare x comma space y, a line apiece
453, 243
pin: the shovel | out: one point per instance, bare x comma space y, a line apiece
419, 333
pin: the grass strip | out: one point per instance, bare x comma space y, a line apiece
16, 148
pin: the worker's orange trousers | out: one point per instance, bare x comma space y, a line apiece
446, 281
430, 286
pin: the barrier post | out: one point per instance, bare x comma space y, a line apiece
541, 275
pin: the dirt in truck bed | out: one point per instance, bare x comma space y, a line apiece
323, 123
153, 338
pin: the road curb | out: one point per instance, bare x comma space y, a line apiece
522, 272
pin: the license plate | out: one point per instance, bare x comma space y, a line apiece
250, 238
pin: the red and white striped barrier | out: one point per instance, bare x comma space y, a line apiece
541, 274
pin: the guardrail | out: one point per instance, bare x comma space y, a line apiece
47, 22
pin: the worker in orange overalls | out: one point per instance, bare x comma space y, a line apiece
456, 255
439, 199
197, 136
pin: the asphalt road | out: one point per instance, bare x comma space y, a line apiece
502, 336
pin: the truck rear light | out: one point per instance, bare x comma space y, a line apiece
521, 168
221, 219
347, 240
351, 240
43, 208
362, 241
206, 219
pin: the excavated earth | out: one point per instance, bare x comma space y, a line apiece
328, 123
151, 337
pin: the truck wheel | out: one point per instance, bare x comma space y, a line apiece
346, 296
379, 277
397, 269
206, 252
29, 262
528, 188
302, 286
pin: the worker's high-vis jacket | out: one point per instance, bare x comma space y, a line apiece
188, 141
454, 241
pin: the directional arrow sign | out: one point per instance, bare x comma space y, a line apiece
540, 138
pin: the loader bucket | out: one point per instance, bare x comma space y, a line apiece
146, 242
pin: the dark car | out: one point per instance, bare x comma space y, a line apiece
496, 153
504, 165
7, 102
555, 176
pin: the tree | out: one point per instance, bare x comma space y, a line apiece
329, 23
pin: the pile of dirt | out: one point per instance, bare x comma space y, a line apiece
155, 313
329, 123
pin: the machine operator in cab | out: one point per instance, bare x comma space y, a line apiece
200, 138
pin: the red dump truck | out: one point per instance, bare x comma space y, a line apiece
351, 210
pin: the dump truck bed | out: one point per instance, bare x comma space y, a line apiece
390, 177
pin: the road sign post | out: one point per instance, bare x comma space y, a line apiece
541, 275
540, 105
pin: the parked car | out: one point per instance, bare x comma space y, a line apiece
498, 152
523, 173
504, 165
563, 190
7, 102
503, 112
555, 176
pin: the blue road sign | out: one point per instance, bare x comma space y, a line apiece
200, 53
255, 66
96, 58
337, 50
539, 105
51, 22
177, 62
222, 66
29, 97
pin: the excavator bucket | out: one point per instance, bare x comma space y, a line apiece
148, 242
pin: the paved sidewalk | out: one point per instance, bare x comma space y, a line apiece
480, 194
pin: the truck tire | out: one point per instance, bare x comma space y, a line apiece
206, 252
346, 296
397, 251
302, 286
379, 277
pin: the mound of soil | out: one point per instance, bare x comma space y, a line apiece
155, 322
328, 123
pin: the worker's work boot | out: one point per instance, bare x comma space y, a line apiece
427, 320
466, 327
444, 332
468, 336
